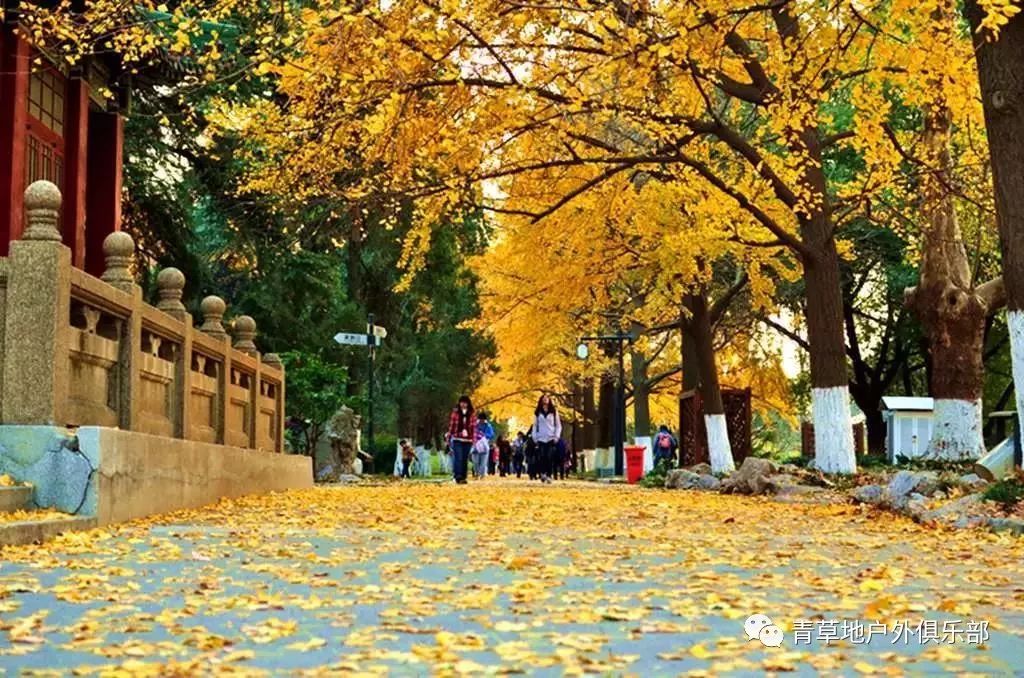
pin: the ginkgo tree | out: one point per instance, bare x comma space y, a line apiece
547, 102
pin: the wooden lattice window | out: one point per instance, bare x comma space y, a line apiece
47, 102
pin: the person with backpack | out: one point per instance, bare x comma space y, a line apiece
461, 433
484, 434
547, 431
519, 453
665, 447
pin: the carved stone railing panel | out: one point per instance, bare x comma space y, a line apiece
203, 402
157, 413
94, 393
239, 409
267, 421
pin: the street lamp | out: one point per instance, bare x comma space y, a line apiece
619, 431
582, 351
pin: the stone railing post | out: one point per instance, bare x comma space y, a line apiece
118, 254
37, 325
170, 285
244, 330
213, 309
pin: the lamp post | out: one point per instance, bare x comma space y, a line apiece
619, 429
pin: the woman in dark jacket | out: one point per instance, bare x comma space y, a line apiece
461, 429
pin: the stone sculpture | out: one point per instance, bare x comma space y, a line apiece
344, 437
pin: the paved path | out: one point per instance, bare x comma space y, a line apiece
421, 579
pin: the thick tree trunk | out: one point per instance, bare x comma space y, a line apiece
691, 369
951, 313
830, 396
719, 448
641, 395
1001, 72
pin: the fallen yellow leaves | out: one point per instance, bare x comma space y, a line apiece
565, 579
24, 515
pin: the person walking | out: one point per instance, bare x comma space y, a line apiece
519, 453
547, 431
408, 455
561, 455
504, 456
530, 449
483, 435
665, 446
461, 431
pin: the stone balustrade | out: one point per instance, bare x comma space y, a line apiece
84, 351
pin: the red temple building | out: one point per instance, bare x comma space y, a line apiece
55, 124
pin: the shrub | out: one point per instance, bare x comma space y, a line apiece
385, 450
656, 476
1006, 492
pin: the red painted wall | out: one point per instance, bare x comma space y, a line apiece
14, 73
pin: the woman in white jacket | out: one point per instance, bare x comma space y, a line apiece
547, 429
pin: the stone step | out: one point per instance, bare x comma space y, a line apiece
14, 498
32, 531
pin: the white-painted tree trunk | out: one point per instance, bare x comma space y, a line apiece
833, 430
958, 430
1015, 321
719, 449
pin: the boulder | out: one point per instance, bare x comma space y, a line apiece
1012, 525
785, 487
869, 494
752, 477
325, 473
708, 482
700, 469
972, 482
916, 506
681, 479
958, 512
897, 493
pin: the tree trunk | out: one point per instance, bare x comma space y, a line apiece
691, 368
1002, 91
869, 400
719, 448
589, 415
641, 395
952, 315
830, 394
606, 412
830, 397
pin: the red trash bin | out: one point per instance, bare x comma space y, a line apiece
634, 463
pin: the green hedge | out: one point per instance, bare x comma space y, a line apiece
385, 450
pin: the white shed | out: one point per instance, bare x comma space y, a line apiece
909, 423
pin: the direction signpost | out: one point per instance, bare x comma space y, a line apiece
373, 338
349, 339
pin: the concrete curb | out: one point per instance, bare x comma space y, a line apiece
30, 531
15, 498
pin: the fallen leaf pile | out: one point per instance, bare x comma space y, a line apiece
21, 515
502, 577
